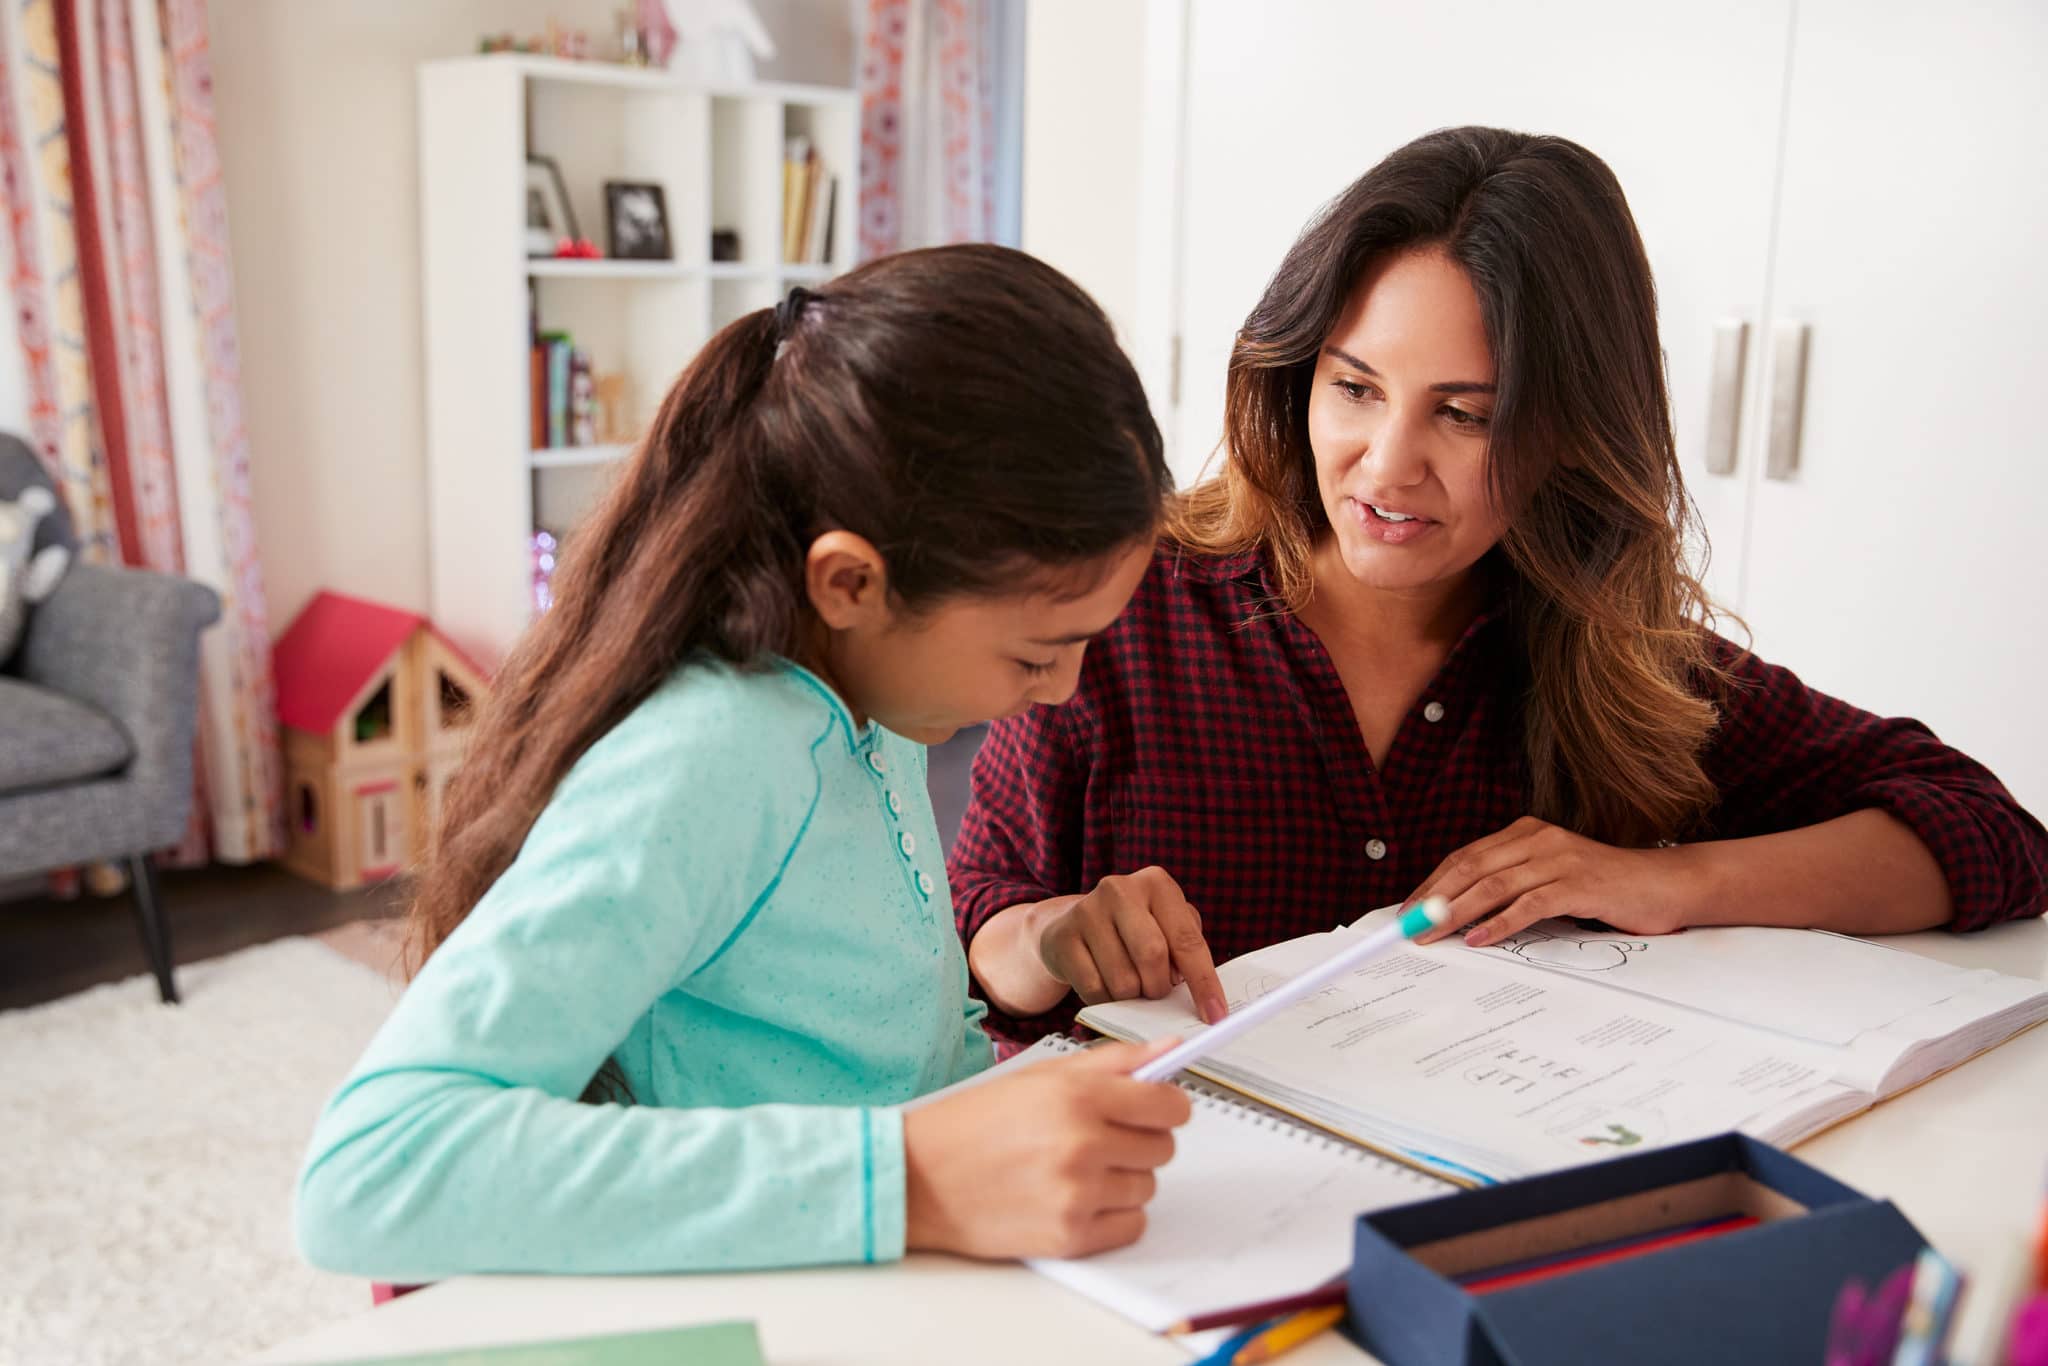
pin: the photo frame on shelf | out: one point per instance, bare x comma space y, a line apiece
549, 219
636, 221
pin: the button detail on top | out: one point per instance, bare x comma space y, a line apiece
924, 884
1433, 712
875, 761
895, 802
1375, 850
907, 842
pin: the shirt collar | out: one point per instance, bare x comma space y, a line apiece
859, 739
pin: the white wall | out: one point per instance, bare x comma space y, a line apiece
1083, 109
1102, 133
316, 120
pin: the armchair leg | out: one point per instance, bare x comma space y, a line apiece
156, 930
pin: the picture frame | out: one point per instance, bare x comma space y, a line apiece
636, 221
549, 219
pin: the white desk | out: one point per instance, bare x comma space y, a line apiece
1963, 1156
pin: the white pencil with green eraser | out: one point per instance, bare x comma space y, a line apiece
1417, 920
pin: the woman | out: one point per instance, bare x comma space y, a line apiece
1432, 631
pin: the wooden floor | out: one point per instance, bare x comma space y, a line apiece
51, 948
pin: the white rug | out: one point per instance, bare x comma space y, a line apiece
148, 1153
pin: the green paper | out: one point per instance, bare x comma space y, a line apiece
704, 1344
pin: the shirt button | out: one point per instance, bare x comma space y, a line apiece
875, 762
924, 884
907, 842
895, 802
1433, 712
1375, 850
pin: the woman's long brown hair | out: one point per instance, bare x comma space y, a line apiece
1618, 700
966, 409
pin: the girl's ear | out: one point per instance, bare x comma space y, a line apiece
846, 581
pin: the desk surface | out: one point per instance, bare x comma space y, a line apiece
1962, 1155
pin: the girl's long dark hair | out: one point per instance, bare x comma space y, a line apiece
966, 409
1620, 675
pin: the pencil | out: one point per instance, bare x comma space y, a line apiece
1569, 1264
1288, 1334
1322, 1295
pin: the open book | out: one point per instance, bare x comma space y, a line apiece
1562, 1045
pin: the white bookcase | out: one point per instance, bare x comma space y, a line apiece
717, 151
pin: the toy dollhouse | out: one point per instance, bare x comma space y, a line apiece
374, 703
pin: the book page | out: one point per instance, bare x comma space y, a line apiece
1828, 988
1505, 1071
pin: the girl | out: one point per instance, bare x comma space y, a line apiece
1432, 631
690, 864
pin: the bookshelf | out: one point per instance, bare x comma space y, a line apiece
716, 150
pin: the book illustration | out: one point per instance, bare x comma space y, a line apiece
1259, 984
1556, 947
1520, 1070
1604, 1129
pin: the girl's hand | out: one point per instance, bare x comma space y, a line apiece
1134, 935
1534, 870
1055, 1161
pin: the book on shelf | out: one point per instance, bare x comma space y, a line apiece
809, 204
537, 393
582, 400
817, 246
560, 349
1564, 1044
796, 180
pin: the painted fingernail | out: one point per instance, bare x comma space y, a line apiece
1477, 937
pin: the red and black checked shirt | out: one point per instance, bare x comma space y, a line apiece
1212, 736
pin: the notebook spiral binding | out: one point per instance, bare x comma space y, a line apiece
1208, 1093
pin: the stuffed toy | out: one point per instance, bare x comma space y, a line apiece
26, 578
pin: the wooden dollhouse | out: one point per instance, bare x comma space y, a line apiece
374, 703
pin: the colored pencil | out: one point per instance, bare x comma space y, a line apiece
1570, 1263
1226, 1351
1288, 1334
1487, 1273
1322, 1295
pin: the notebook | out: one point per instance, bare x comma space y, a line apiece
1564, 1044
1254, 1205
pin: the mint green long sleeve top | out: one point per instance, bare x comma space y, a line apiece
736, 894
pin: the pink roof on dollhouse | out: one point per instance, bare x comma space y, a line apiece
334, 647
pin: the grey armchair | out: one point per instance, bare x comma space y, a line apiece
97, 713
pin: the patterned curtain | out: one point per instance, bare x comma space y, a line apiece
121, 281
928, 155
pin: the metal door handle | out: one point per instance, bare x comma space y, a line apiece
1724, 395
1787, 398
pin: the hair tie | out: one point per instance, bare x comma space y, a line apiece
790, 311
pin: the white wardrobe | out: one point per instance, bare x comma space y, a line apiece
1861, 186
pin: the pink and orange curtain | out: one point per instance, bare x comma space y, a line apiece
116, 228
928, 154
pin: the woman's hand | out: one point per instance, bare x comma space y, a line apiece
1134, 935
1055, 1161
1534, 870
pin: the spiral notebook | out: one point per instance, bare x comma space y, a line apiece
1254, 1205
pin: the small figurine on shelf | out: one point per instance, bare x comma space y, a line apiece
721, 39
632, 52
657, 33
577, 249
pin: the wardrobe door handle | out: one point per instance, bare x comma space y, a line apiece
1724, 395
1787, 398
